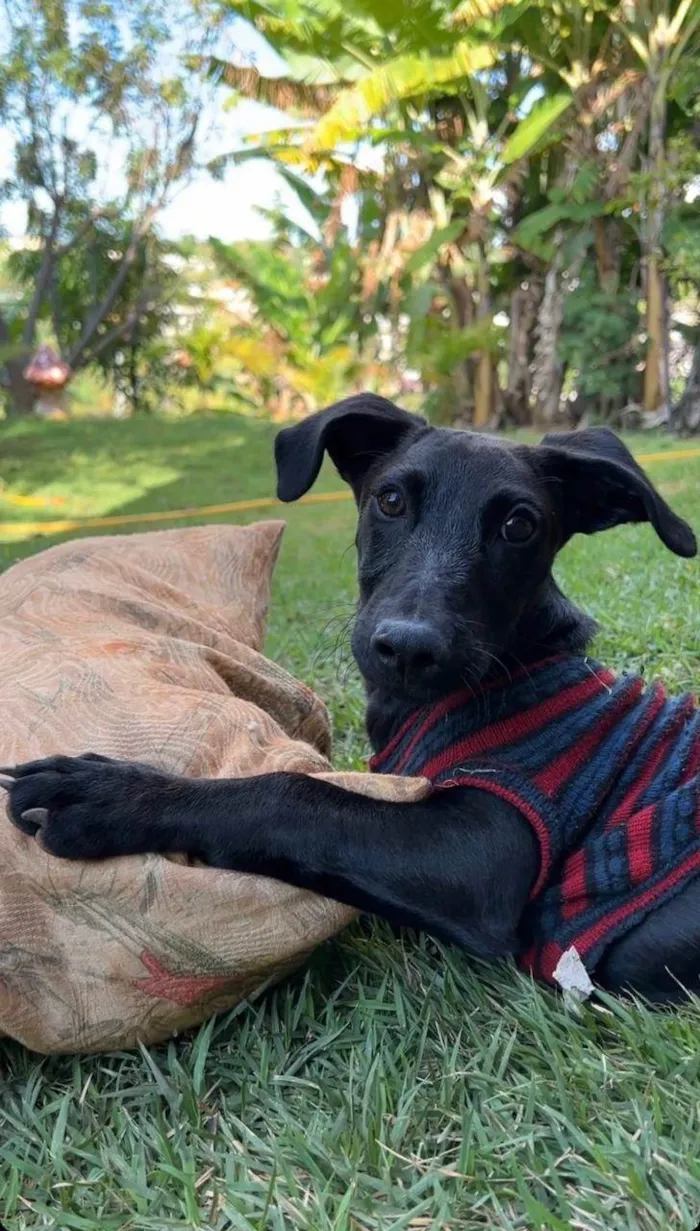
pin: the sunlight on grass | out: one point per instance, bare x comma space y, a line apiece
94, 485
53, 475
89, 486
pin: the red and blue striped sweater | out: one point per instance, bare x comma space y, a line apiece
606, 772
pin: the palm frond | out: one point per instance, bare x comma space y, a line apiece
404, 77
321, 33
607, 94
535, 126
428, 251
533, 232
309, 99
469, 12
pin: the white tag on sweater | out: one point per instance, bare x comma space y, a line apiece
572, 976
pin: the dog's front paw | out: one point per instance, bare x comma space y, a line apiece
89, 807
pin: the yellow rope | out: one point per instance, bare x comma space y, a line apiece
132, 519
30, 502
236, 506
670, 455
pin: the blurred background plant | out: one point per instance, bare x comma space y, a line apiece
496, 206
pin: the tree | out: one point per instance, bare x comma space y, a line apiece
141, 311
658, 37
398, 205
443, 91
302, 345
681, 239
519, 148
626, 66
103, 117
686, 413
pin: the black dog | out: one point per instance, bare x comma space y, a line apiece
475, 668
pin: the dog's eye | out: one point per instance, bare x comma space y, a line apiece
519, 527
391, 502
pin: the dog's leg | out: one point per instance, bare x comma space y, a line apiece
660, 958
459, 864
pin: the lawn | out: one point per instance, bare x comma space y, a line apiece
394, 1083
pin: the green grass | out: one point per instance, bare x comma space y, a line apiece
393, 1083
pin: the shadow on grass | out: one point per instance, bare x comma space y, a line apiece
91, 468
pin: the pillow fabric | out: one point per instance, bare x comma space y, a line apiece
147, 648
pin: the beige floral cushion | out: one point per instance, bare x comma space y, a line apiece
147, 647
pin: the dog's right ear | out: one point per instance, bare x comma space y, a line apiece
354, 432
600, 485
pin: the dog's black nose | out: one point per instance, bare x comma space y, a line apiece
409, 647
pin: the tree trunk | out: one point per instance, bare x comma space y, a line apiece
462, 306
524, 303
22, 396
460, 411
656, 383
134, 385
547, 368
685, 416
484, 378
656, 389
606, 239
483, 390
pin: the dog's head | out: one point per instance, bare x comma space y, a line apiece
457, 533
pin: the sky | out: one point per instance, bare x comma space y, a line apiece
205, 207
227, 209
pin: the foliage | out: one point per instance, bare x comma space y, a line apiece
447, 152
102, 118
140, 313
601, 345
682, 245
299, 346
682, 223
516, 141
436, 351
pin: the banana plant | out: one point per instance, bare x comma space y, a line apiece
507, 137
657, 34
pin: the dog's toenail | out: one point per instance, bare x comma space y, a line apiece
36, 816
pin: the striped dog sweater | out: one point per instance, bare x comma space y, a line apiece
606, 772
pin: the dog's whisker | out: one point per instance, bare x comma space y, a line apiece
334, 649
523, 667
497, 660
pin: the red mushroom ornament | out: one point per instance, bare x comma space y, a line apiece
49, 374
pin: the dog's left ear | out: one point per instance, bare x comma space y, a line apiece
355, 433
596, 484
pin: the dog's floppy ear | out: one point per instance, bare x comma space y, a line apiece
354, 432
599, 485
